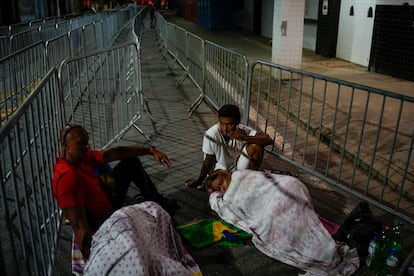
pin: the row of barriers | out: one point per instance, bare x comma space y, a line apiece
22, 70
220, 74
357, 138
18, 36
102, 90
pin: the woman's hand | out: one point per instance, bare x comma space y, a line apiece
161, 158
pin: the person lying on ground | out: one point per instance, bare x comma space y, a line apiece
139, 239
87, 199
278, 211
230, 145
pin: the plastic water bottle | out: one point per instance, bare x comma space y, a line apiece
392, 263
379, 258
398, 237
371, 250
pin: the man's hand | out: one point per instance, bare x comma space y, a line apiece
238, 134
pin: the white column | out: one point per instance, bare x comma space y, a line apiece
287, 41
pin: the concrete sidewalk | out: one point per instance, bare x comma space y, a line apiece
180, 136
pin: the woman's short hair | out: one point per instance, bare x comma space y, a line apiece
213, 176
67, 129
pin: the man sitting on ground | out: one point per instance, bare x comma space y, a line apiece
230, 145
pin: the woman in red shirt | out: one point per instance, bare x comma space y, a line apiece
78, 190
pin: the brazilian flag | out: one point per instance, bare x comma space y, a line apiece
205, 232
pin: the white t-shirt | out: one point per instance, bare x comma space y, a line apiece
226, 152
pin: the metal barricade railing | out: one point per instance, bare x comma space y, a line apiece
103, 92
89, 41
30, 216
109, 27
27, 37
225, 77
19, 27
48, 32
194, 61
62, 27
180, 36
4, 31
99, 34
169, 44
4, 46
19, 74
57, 50
358, 138
139, 24
221, 74
74, 43
23, 34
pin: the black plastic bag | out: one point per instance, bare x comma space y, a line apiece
358, 229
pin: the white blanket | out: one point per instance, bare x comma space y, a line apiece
139, 240
277, 210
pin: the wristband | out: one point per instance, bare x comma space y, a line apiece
152, 150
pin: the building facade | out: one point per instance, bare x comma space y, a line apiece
376, 34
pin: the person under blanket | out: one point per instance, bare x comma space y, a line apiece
278, 211
139, 240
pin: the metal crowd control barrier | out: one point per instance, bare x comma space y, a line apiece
4, 46
193, 61
169, 44
355, 137
20, 71
358, 138
18, 36
30, 217
225, 78
220, 74
138, 24
57, 49
27, 37
103, 92
19, 74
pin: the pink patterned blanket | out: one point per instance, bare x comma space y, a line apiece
277, 210
139, 240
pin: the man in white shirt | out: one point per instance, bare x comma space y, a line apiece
230, 145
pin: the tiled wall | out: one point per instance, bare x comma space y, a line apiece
288, 32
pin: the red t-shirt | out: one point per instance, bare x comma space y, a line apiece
76, 185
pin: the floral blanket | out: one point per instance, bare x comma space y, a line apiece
277, 210
139, 240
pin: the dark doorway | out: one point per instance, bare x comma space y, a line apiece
392, 48
327, 32
257, 17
